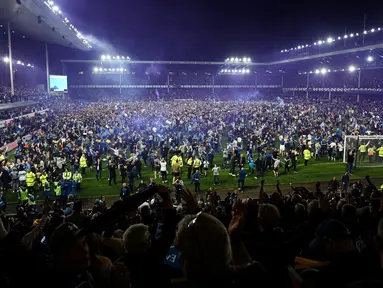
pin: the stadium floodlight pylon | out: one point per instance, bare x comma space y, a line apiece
366, 159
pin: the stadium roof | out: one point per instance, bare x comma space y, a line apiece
292, 60
42, 20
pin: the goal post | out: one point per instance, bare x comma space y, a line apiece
366, 150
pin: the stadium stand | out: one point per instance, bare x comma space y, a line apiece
236, 174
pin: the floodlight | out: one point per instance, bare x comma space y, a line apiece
56, 8
123, 58
315, 43
227, 60
319, 42
51, 3
323, 71
357, 34
22, 63
364, 32
95, 69
339, 38
236, 59
372, 30
370, 59
18, 62
113, 57
281, 51
299, 47
379, 29
59, 11
118, 57
222, 71
351, 68
345, 36
231, 59
351, 35
103, 57
307, 45
235, 71
105, 69
248, 71
6, 59
248, 59
126, 69
110, 69
66, 20
329, 40
311, 72
28, 65
108, 57
113, 69
229, 71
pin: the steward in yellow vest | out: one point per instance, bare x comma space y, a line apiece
30, 179
57, 188
306, 156
32, 200
196, 164
77, 178
189, 163
23, 195
371, 151
83, 164
43, 179
67, 175
363, 148
380, 150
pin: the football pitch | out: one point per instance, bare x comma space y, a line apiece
317, 170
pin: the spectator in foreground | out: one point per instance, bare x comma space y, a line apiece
145, 257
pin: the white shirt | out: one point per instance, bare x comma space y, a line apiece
163, 166
216, 170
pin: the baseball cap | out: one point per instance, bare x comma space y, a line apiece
329, 229
63, 237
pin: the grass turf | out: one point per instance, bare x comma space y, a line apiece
321, 170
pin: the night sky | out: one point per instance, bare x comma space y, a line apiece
214, 30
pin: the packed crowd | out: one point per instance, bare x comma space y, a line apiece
22, 93
20, 111
310, 239
219, 242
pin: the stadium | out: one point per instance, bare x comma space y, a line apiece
115, 165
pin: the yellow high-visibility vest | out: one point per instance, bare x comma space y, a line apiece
307, 154
197, 163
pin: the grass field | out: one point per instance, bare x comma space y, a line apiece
320, 170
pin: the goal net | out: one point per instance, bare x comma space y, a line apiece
366, 150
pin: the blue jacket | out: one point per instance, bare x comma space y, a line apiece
242, 175
124, 193
196, 178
